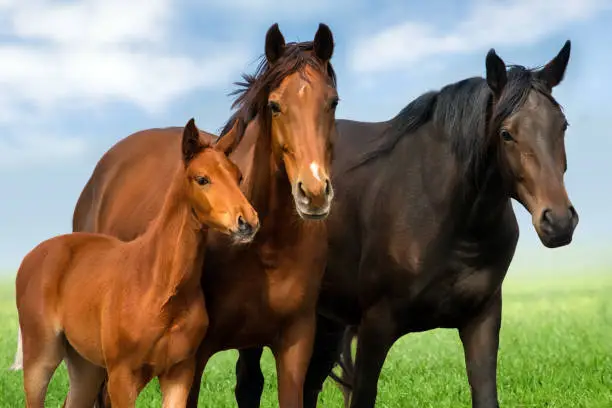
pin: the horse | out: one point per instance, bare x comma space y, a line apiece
133, 309
422, 230
264, 293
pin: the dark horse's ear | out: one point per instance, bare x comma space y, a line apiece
496, 73
192, 142
275, 44
553, 72
323, 43
227, 142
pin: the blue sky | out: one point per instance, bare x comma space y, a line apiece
77, 76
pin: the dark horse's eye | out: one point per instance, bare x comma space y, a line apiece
202, 180
274, 107
506, 135
334, 103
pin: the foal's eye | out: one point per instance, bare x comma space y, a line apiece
506, 135
202, 180
274, 107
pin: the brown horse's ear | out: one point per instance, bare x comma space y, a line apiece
324, 43
496, 73
192, 142
553, 72
275, 44
227, 142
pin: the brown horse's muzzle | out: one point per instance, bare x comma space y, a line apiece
313, 196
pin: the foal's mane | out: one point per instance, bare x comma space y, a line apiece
252, 93
465, 112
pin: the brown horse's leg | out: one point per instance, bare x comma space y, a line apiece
325, 353
376, 336
293, 352
124, 385
480, 338
85, 380
176, 383
249, 378
202, 356
42, 353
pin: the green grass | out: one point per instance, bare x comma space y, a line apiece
556, 351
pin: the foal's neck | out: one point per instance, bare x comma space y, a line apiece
175, 242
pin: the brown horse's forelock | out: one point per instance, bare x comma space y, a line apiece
253, 92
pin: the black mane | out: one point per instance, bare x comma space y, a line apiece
252, 93
463, 111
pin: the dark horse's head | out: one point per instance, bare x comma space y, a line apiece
293, 93
531, 129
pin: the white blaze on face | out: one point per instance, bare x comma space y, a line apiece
314, 168
301, 91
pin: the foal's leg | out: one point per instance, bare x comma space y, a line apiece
249, 378
124, 385
480, 338
293, 352
176, 383
377, 333
325, 353
42, 352
85, 380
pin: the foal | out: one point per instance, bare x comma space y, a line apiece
133, 308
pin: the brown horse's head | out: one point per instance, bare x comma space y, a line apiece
213, 185
294, 96
531, 128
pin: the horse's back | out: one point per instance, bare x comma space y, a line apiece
128, 184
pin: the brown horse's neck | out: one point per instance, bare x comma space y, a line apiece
259, 170
174, 243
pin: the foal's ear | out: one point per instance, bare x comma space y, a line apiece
323, 43
192, 142
275, 44
553, 72
496, 73
227, 142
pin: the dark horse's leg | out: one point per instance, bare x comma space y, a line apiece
377, 333
249, 378
480, 338
328, 339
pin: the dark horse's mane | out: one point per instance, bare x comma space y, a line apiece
463, 111
252, 93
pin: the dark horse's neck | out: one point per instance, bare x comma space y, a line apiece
173, 244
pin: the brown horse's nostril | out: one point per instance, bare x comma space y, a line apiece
327, 187
302, 193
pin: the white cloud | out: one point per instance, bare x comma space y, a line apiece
90, 52
488, 23
38, 150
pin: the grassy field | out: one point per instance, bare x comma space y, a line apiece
556, 351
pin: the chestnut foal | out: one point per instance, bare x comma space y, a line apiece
135, 309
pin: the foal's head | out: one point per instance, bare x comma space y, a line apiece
213, 185
294, 95
531, 128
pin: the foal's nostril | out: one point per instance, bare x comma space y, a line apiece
243, 226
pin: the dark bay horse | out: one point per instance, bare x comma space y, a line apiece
262, 294
133, 309
422, 230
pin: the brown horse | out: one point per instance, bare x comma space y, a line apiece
263, 294
133, 308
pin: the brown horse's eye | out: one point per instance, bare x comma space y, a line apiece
274, 107
506, 135
202, 181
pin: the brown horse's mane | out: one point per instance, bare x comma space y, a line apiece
253, 91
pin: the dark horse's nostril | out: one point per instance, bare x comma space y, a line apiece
573, 213
243, 226
546, 222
